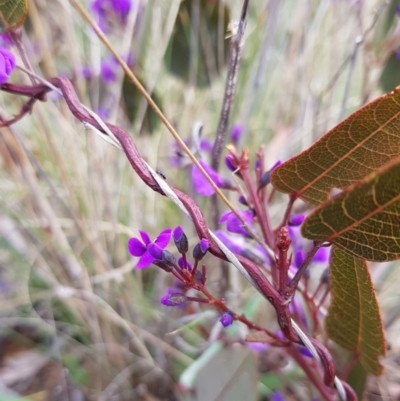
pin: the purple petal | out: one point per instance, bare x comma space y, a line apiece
258, 347
322, 255
205, 145
182, 265
224, 216
204, 245
235, 245
145, 237
296, 220
155, 251
234, 225
236, 132
295, 237
226, 319
135, 247
163, 238
177, 233
9, 59
277, 396
145, 261
298, 258
201, 185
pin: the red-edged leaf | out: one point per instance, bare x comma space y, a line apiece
354, 321
365, 141
12, 13
364, 219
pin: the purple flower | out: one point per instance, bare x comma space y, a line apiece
104, 8
108, 70
180, 239
181, 264
205, 145
298, 258
229, 164
398, 9
7, 64
265, 178
234, 243
201, 249
103, 112
300, 244
6, 40
87, 72
138, 247
226, 319
296, 220
258, 347
233, 224
173, 298
277, 396
200, 183
236, 132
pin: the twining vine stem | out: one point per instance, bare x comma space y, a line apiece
278, 301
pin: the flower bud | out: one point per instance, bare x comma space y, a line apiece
236, 132
229, 163
180, 239
243, 200
161, 255
265, 178
324, 279
173, 299
298, 259
181, 264
296, 220
226, 319
200, 249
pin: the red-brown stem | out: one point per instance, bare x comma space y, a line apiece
199, 300
303, 363
322, 300
196, 263
262, 216
288, 210
282, 266
295, 281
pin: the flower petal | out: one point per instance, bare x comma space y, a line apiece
322, 255
201, 185
145, 261
234, 225
224, 216
135, 247
163, 238
145, 237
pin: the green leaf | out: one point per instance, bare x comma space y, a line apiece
207, 62
354, 321
225, 373
135, 104
390, 77
364, 219
357, 379
13, 13
359, 145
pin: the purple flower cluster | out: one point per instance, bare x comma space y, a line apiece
103, 9
7, 65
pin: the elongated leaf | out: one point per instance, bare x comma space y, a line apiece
354, 321
362, 143
13, 13
364, 219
